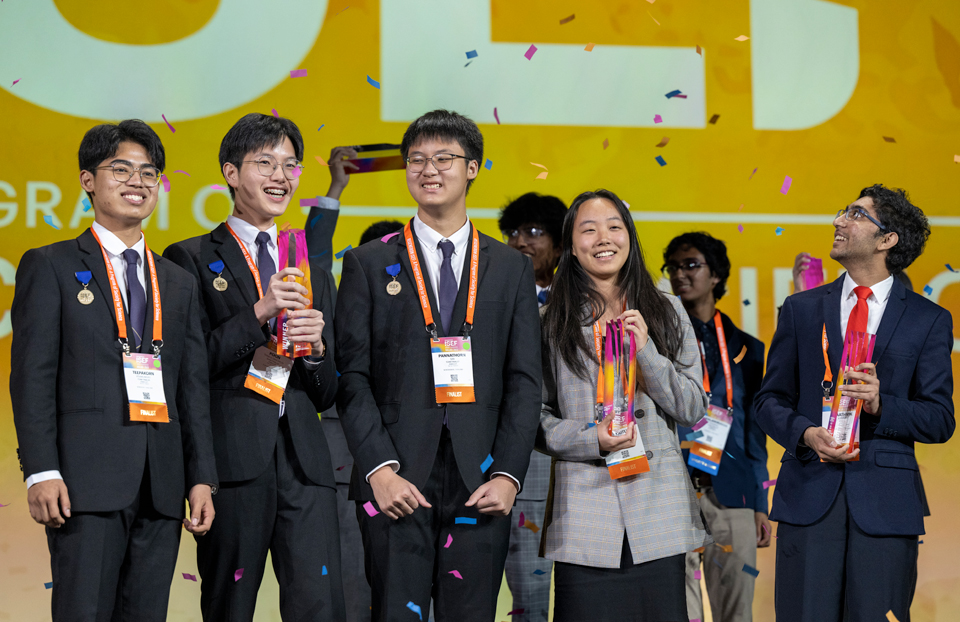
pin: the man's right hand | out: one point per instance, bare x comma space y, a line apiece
339, 177
281, 294
800, 265
46, 500
822, 442
395, 496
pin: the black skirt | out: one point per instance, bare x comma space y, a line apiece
649, 592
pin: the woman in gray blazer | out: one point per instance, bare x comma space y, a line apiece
618, 544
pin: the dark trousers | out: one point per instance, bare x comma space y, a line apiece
356, 590
284, 512
831, 571
114, 566
407, 561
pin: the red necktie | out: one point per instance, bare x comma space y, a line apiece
858, 316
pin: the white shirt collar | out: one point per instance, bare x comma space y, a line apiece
881, 291
430, 239
248, 233
115, 246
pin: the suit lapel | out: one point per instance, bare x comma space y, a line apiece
404, 259
459, 315
93, 260
890, 319
831, 317
228, 250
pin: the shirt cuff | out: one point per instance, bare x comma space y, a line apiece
516, 482
393, 465
328, 203
42, 476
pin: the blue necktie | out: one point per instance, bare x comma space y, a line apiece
265, 266
136, 298
448, 285
542, 296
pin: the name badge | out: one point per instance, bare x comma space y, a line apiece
143, 376
630, 461
707, 449
269, 372
453, 370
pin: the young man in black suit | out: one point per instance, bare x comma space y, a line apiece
438, 459
278, 491
108, 465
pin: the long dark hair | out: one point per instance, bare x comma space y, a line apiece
568, 310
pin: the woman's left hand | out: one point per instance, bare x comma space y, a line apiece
635, 323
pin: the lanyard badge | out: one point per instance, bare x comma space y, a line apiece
710, 434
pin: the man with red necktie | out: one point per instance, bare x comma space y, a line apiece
849, 522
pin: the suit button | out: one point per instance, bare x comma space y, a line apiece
649, 455
639, 414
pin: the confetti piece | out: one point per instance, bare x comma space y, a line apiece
920, 542
323, 571
218, 187
926, 288
298, 73
590, 425
651, 1
750, 570
672, 94
769, 482
339, 468
415, 608
740, 356
663, 142
694, 436
740, 209
567, 20
49, 220
956, 159
890, 139
727, 548
606, 143
653, 18
539, 572
589, 48
4, 506
686, 444
752, 174
540, 165
732, 458
387, 237
449, 541
166, 183
313, 222
373, 82
321, 127
371, 511
786, 184
515, 612
17, 80
531, 526
472, 54
468, 64
184, 172
891, 617
495, 116
274, 111
661, 161
86, 205
456, 573
48, 585
779, 230
699, 51
746, 303
189, 577
343, 252
949, 268
714, 119
522, 520
486, 463
463, 520
168, 124
321, 161
542, 175
237, 575
741, 38
530, 52
657, 118
740, 227
310, 202
488, 164
696, 575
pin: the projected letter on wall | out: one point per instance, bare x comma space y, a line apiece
236, 57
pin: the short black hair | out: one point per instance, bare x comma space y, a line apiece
535, 209
896, 213
714, 251
446, 125
253, 132
102, 141
379, 229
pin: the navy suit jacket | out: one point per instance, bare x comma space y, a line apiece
912, 354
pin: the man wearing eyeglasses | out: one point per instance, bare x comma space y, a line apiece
278, 492
106, 476
732, 497
849, 521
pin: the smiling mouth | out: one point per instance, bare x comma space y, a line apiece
838, 238
133, 197
431, 186
604, 254
275, 192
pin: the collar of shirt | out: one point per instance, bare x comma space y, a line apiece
430, 242
248, 234
876, 303
881, 291
115, 247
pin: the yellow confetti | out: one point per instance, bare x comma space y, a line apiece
741, 38
686, 445
589, 47
653, 18
699, 51
743, 352
542, 175
606, 143
540, 165
891, 617
956, 159
663, 141
320, 160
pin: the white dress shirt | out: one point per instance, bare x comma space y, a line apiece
248, 235
114, 247
876, 303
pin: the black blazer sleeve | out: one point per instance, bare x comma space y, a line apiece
320, 236
321, 383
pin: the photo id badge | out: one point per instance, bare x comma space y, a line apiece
144, 379
452, 369
269, 372
707, 449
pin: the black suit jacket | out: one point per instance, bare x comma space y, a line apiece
387, 402
69, 398
913, 358
245, 424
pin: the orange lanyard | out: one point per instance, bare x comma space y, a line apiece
422, 287
118, 299
827, 373
724, 359
246, 255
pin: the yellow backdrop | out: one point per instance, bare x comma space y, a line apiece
834, 95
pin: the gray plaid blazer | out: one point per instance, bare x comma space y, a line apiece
588, 511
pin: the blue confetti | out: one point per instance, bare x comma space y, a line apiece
920, 542
49, 220
87, 207
488, 164
661, 160
486, 463
591, 424
731, 456
373, 82
415, 608
673, 93
694, 435
717, 563
540, 572
313, 221
472, 54
926, 288
323, 571
750, 570
321, 127
468, 64
48, 585
746, 303
343, 252
463, 520
780, 230
950, 269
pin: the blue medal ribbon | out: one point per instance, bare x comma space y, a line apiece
84, 276
216, 267
393, 270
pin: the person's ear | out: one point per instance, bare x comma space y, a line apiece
888, 241
473, 167
87, 180
231, 174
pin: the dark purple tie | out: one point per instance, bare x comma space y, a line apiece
448, 285
136, 298
265, 266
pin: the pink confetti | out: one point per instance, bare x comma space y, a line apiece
15, 81
740, 228
769, 483
297, 172
4, 506
522, 520
237, 575
371, 511
786, 185
274, 111
218, 187
298, 73
752, 174
166, 183
189, 577
449, 541
696, 575
168, 124
515, 612
456, 573
530, 52
657, 118
495, 116
340, 468
309, 202
184, 172
389, 236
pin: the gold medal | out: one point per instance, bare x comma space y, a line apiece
220, 284
393, 287
85, 296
